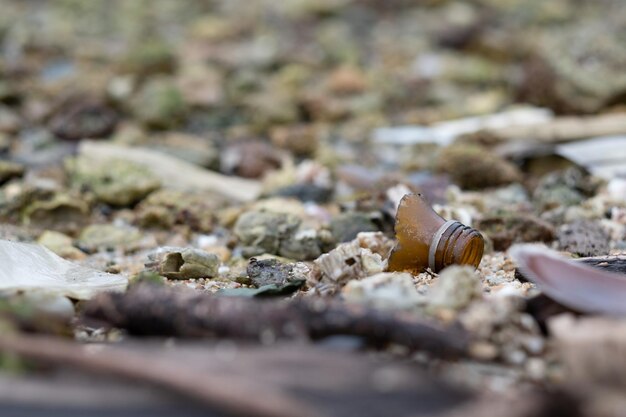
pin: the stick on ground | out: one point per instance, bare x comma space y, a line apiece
158, 311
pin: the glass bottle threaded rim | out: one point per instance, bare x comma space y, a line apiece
455, 243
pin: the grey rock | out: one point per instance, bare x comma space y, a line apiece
304, 244
584, 238
263, 272
262, 232
563, 189
108, 236
347, 226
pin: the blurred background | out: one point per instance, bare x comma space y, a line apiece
244, 67
251, 87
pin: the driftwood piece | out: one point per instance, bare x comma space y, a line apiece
174, 172
276, 381
152, 310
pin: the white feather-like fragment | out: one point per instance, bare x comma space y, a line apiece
28, 266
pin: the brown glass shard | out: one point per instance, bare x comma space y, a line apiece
426, 240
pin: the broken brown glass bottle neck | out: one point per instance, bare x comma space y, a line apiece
426, 240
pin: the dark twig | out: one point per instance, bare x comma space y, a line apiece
151, 310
